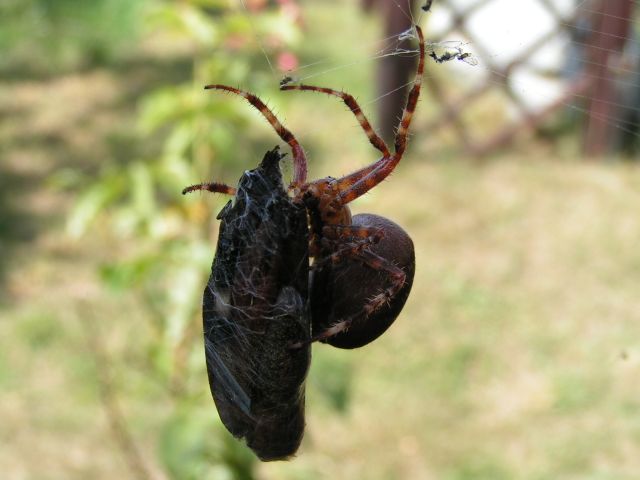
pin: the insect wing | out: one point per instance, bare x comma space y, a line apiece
469, 59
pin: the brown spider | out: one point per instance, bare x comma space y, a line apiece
363, 266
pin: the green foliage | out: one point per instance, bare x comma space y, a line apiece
48, 35
141, 198
195, 446
189, 132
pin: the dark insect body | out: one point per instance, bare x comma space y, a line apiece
254, 307
261, 315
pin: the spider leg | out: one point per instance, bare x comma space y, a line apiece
211, 187
350, 232
358, 183
377, 263
412, 101
346, 241
350, 102
352, 249
299, 158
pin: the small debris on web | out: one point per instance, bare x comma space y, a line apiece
286, 80
406, 35
427, 6
404, 51
454, 53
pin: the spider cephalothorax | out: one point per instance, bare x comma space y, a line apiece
360, 271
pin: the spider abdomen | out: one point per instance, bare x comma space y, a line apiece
344, 290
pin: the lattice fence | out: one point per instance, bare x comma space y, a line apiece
594, 35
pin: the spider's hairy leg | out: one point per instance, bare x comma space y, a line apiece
350, 102
358, 183
211, 187
342, 253
412, 101
299, 158
346, 241
351, 232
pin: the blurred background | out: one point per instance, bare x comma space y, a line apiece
518, 352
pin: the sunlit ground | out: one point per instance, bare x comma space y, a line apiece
516, 357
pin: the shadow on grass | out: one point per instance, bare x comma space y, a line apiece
30, 156
18, 226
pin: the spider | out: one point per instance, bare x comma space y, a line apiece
362, 266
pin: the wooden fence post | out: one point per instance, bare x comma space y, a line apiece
610, 30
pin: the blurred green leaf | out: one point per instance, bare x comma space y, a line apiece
194, 445
92, 201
